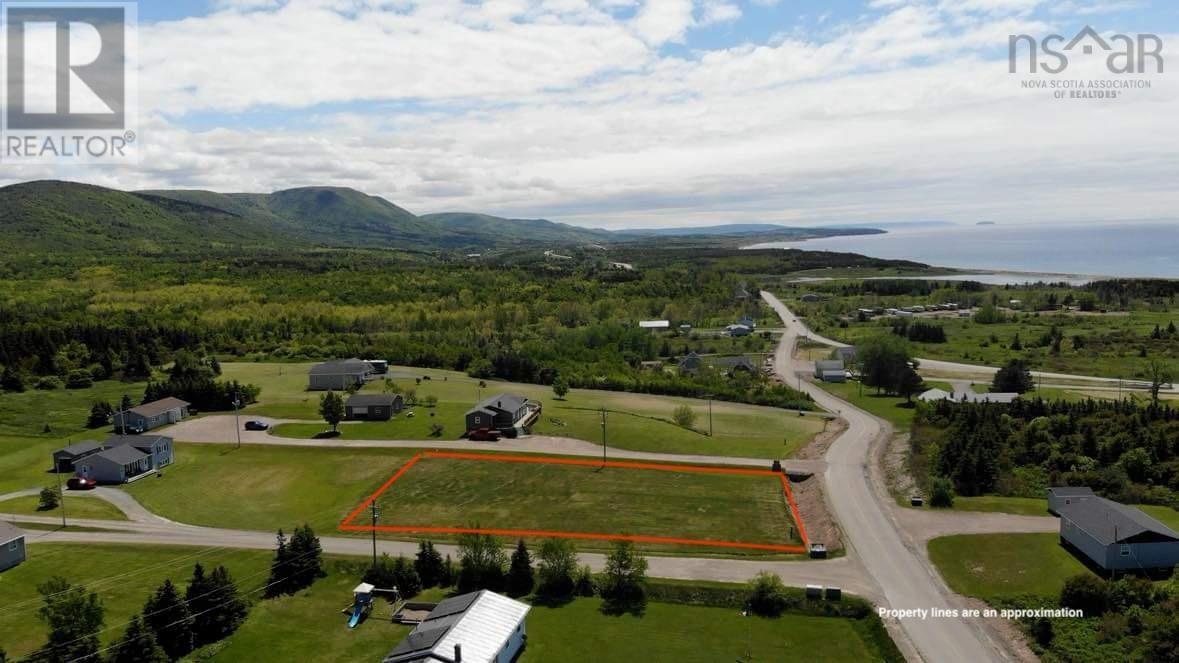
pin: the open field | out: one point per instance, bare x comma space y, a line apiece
25, 463
657, 505
667, 633
639, 422
64, 410
991, 566
75, 507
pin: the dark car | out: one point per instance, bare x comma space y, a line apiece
257, 425
81, 483
484, 435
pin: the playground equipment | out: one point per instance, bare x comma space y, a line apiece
362, 602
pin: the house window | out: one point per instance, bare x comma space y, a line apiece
1125, 550
12, 545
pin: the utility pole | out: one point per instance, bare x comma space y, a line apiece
61, 494
603, 436
237, 424
376, 512
710, 415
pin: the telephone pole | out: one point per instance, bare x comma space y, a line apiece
603, 436
376, 512
237, 424
61, 495
710, 415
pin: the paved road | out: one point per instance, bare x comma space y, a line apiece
219, 429
904, 575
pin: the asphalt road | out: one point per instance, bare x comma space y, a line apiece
905, 577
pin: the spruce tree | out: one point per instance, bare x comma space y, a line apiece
429, 564
520, 579
138, 645
279, 583
226, 610
74, 619
306, 558
167, 615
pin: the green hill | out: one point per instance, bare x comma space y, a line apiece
531, 230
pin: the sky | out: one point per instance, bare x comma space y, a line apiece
648, 113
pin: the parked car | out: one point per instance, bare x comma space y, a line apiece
81, 483
257, 425
484, 435
129, 430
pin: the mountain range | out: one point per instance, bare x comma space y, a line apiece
67, 216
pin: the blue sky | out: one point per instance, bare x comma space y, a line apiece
650, 112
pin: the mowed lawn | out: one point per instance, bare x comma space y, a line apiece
74, 506
1033, 506
264, 488
666, 633
549, 497
639, 422
25, 463
990, 566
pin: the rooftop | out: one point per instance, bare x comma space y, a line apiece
159, 407
9, 533
371, 400
123, 455
79, 448
339, 366
481, 622
507, 402
1110, 522
1068, 491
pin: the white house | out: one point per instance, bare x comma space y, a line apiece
481, 627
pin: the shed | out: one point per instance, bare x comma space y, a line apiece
12, 546
1117, 537
480, 627
1060, 496
373, 407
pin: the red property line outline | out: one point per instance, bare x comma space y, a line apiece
347, 526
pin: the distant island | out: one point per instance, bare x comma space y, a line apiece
985, 223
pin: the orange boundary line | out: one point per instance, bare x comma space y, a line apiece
347, 526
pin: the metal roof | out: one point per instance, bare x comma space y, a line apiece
481, 623
159, 407
824, 365
1110, 522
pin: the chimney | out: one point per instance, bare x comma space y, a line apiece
458, 654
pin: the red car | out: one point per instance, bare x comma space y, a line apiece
81, 483
484, 435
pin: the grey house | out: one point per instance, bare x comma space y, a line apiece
503, 412
691, 364
339, 375
118, 465
65, 460
158, 447
732, 365
1061, 496
481, 627
373, 407
12, 546
830, 370
153, 415
1116, 537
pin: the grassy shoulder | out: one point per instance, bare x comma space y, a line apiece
894, 409
639, 422
74, 507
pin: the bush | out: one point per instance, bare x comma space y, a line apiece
47, 383
767, 595
1087, 593
941, 493
79, 379
50, 499
684, 416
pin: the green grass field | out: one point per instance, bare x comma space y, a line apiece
75, 507
25, 463
991, 566
637, 422
310, 626
1034, 506
501, 495
890, 408
64, 410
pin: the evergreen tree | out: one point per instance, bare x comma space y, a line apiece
100, 415
306, 558
74, 619
428, 564
520, 580
624, 582
11, 380
279, 580
217, 608
138, 645
168, 616
49, 499
1013, 378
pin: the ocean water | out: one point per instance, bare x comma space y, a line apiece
1128, 249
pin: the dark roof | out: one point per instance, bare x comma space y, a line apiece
123, 455
507, 402
371, 400
733, 362
9, 533
342, 366
1069, 491
432, 629
824, 365
136, 441
1110, 522
79, 448
159, 407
